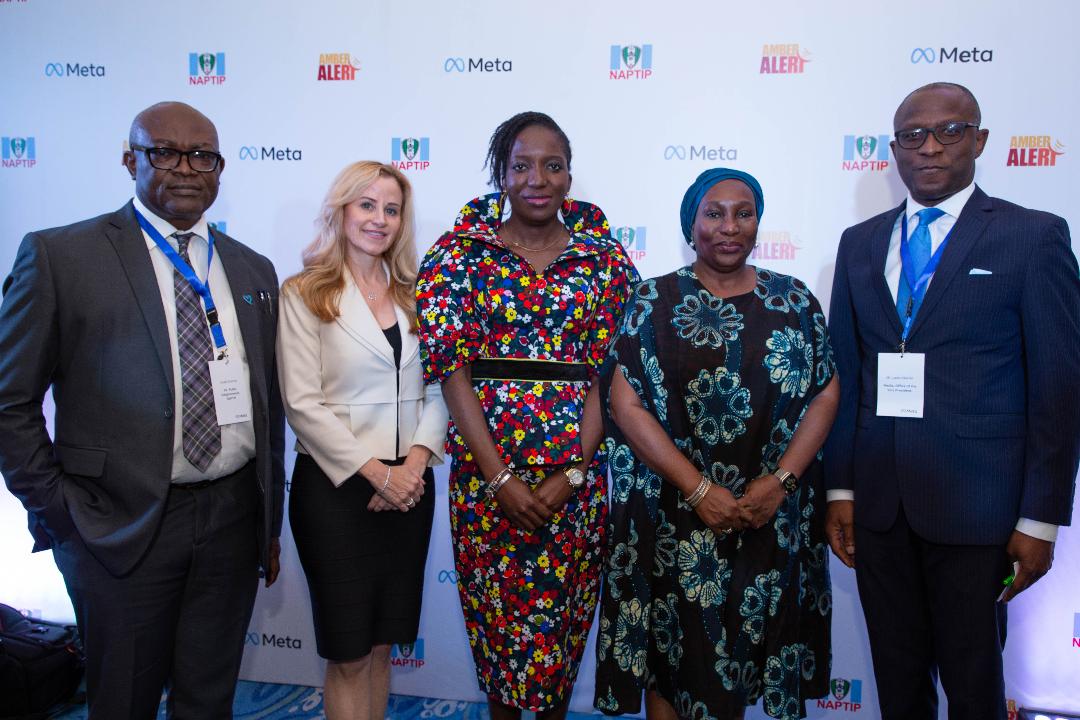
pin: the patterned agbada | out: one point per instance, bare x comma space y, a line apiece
528, 598
714, 623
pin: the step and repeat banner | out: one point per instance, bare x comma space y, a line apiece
800, 94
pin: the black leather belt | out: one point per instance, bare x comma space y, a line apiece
534, 370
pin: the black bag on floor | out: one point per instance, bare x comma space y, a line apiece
41, 664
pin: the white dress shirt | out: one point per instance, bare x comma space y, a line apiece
939, 230
237, 439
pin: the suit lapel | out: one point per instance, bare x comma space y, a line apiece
235, 266
130, 246
879, 250
357, 320
965, 233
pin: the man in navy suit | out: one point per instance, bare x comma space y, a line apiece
955, 319
159, 495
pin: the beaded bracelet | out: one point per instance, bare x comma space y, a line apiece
700, 492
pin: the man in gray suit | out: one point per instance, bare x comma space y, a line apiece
161, 493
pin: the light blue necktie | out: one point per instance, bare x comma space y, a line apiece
919, 246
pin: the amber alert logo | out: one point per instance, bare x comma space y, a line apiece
206, 68
630, 62
1034, 151
18, 152
866, 153
775, 245
784, 59
337, 66
410, 153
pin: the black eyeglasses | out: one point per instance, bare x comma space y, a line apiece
946, 134
164, 158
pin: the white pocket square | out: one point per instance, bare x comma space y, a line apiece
979, 271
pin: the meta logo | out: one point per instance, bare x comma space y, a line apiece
866, 152
1034, 151
410, 153
447, 576
74, 70
846, 695
337, 66
775, 245
284, 642
206, 68
700, 152
251, 152
956, 55
783, 60
18, 152
408, 655
630, 62
462, 65
633, 239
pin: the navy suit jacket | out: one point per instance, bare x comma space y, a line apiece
82, 313
1000, 434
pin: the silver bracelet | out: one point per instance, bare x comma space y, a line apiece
700, 492
386, 483
500, 479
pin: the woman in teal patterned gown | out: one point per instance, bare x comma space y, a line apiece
719, 391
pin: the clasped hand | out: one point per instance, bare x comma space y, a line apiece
529, 509
721, 511
403, 492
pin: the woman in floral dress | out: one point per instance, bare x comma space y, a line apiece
721, 390
516, 314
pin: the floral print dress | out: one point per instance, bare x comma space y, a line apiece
528, 597
713, 624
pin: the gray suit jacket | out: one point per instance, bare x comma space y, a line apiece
82, 313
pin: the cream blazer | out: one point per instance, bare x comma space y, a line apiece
338, 383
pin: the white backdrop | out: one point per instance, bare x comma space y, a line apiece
800, 94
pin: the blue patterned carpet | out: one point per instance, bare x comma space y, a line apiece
266, 701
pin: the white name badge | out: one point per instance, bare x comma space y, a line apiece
900, 384
232, 397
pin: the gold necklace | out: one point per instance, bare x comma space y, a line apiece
539, 249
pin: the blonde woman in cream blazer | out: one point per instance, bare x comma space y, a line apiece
368, 431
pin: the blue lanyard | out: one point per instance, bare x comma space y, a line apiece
918, 285
189, 274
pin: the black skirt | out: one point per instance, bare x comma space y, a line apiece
365, 570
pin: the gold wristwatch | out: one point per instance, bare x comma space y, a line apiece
575, 477
788, 480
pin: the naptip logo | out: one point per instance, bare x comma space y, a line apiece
630, 62
408, 655
633, 239
206, 68
784, 59
1034, 151
866, 152
410, 153
18, 152
846, 695
1076, 631
337, 66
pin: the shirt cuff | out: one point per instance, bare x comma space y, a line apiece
1036, 529
834, 495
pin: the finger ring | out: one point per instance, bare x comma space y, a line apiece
410, 502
